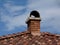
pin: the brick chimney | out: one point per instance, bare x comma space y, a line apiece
33, 23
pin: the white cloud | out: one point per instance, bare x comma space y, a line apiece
13, 8
12, 22
41, 4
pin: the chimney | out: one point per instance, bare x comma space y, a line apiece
33, 23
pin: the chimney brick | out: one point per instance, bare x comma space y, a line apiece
34, 24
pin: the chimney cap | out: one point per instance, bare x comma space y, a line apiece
35, 14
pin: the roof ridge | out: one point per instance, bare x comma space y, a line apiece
13, 35
25, 32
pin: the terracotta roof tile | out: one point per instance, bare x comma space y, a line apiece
25, 38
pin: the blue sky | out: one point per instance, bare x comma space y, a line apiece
13, 14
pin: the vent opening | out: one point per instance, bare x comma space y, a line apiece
34, 14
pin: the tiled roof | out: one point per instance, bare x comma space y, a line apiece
25, 38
